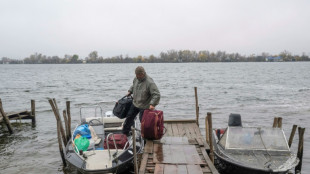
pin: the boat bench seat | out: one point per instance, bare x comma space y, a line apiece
106, 119
110, 123
99, 159
114, 128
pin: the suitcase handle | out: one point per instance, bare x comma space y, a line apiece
128, 96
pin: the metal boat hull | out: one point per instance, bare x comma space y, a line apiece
238, 150
226, 167
125, 162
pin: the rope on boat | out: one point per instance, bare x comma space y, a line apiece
260, 135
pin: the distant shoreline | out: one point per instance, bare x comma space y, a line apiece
139, 62
170, 56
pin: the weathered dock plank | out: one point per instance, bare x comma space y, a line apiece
210, 164
143, 162
175, 129
159, 169
181, 129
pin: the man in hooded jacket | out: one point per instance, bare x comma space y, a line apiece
145, 96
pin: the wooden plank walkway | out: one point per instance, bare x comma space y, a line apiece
182, 150
18, 115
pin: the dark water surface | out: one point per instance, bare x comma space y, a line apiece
258, 91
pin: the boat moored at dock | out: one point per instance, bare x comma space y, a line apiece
103, 154
255, 150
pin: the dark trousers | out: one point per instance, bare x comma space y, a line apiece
130, 118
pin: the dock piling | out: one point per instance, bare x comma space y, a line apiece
60, 145
6, 119
63, 136
209, 116
207, 130
275, 122
134, 150
290, 141
279, 122
57, 115
197, 106
66, 124
69, 118
33, 112
300, 151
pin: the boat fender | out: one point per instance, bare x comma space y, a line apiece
219, 133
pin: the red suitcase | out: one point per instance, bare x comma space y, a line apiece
120, 141
152, 124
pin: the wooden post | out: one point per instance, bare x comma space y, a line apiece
207, 130
280, 122
60, 144
69, 117
6, 119
66, 124
290, 141
301, 132
197, 107
209, 115
62, 131
275, 122
57, 115
134, 150
33, 112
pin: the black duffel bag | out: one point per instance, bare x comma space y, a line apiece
122, 107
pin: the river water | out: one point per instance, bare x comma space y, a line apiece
257, 91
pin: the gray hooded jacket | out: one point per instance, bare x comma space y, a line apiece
145, 92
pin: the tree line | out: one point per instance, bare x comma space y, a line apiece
170, 56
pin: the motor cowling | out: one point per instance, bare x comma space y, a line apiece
234, 120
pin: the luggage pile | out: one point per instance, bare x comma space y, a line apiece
83, 136
152, 123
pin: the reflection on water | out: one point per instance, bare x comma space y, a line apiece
258, 91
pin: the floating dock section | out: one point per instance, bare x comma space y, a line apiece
181, 150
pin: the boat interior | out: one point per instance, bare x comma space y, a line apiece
97, 157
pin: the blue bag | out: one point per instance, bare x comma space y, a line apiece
83, 130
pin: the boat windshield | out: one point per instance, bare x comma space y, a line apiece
91, 112
254, 138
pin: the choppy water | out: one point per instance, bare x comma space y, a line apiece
258, 91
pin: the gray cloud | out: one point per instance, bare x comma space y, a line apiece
148, 27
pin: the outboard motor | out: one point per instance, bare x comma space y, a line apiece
234, 120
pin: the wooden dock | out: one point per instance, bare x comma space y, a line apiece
7, 116
181, 150
19, 115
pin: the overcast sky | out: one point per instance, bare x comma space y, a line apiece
145, 27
